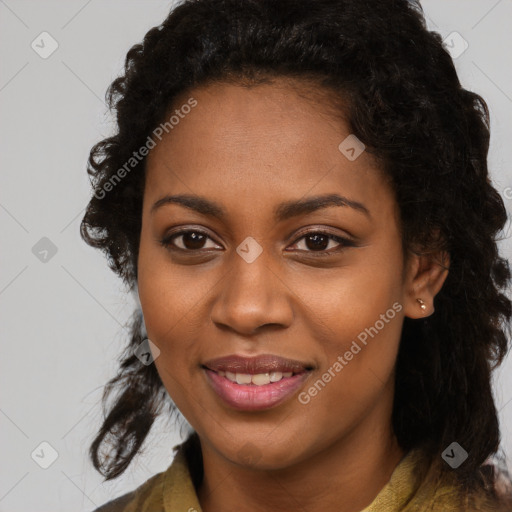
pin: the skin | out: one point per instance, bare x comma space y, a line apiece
250, 149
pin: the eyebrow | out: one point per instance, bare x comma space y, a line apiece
282, 212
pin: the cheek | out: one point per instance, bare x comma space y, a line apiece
169, 294
357, 378
357, 322
342, 305
166, 310
166, 316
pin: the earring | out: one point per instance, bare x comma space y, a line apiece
422, 305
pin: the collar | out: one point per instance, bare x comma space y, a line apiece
179, 491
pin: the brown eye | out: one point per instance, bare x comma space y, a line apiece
191, 240
318, 242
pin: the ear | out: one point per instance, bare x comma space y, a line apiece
425, 276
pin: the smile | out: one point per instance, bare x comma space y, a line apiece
252, 392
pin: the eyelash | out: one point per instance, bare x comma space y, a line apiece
345, 242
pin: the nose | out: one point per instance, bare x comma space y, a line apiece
252, 295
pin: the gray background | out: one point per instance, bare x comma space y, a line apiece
62, 319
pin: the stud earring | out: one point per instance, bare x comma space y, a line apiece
422, 305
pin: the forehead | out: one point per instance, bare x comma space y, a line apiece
262, 143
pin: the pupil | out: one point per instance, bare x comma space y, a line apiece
193, 240
316, 244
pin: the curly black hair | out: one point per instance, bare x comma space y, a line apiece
404, 101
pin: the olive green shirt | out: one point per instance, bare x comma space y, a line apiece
173, 490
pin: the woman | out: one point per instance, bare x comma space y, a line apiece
298, 193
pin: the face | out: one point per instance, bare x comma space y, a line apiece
324, 284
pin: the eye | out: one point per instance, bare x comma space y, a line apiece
191, 240
317, 242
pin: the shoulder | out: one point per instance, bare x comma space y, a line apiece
117, 505
145, 497
171, 490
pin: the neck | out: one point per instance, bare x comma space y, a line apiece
344, 477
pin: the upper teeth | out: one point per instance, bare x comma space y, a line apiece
260, 379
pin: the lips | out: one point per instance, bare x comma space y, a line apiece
255, 383
265, 363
